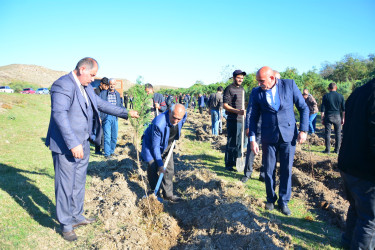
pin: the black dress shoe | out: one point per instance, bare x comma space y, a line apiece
98, 153
325, 152
84, 222
230, 169
269, 206
261, 178
69, 236
173, 198
285, 210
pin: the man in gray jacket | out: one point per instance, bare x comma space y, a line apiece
74, 121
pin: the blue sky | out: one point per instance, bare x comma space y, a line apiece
179, 42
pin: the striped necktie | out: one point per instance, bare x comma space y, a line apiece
83, 92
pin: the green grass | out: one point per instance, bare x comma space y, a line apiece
306, 233
27, 212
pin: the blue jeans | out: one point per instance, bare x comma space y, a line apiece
311, 123
215, 121
360, 222
110, 129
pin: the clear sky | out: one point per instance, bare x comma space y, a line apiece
179, 42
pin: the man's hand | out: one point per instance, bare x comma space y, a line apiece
161, 170
254, 147
247, 132
157, 106
77, 152
302, 137
342, 121
242, 112
133, 114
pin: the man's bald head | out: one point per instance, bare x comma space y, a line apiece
266, 78
176, 113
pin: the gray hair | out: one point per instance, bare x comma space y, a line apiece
88, 62
112, 80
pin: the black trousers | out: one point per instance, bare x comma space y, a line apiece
360, 221
201, 110
334, 120
233, 147
167, 182
250, 157
98, 148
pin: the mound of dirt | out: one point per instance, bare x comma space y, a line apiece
318, 178
217, 214
125, 217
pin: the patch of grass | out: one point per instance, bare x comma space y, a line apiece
27, 194
303, 226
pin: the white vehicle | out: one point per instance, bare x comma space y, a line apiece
42, 91
6, 89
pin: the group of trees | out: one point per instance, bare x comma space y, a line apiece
352, 71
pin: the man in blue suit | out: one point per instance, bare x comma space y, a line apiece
274, 101
74, 121
157, 141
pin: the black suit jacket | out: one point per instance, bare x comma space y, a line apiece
357, 152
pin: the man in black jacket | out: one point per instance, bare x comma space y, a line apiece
333, 112
357, 164
104, 85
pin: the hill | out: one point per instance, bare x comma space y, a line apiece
43, 76
29, 73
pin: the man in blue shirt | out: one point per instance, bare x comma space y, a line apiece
109, 122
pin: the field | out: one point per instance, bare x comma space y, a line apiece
218, 210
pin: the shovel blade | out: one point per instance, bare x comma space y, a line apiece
240, 164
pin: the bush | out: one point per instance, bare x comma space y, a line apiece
18, 86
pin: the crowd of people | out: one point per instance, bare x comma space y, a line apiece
81, 114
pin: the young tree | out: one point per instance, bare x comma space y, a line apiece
141, 103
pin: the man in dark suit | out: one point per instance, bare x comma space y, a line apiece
357, 164
74, 121
274, 101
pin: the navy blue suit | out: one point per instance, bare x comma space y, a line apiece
73, 122
279, 134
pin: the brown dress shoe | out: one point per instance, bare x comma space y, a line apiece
84, 222
69, 236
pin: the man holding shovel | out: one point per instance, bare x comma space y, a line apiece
234, 105
157, 141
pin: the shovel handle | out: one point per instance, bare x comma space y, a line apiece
165, 166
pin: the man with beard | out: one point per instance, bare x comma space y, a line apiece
232, 103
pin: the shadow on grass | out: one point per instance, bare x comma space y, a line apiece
27, 195
317, 231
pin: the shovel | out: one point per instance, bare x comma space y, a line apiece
240, 161
162, 174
